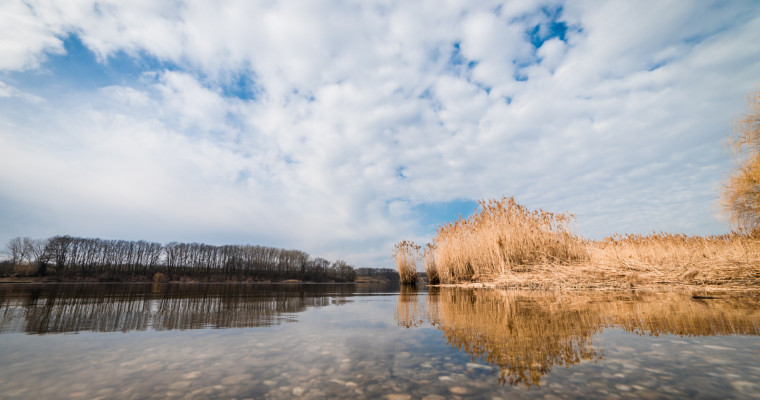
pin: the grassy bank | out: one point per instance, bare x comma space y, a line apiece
507, 245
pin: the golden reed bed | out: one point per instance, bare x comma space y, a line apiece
507, 245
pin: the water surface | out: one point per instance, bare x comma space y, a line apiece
200, 341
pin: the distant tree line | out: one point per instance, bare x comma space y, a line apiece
75, 258
385, 273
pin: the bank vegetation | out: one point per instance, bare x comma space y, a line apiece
507, 245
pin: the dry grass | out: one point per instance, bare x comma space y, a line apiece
406, 254
431, 269
502, 236
731, 260
526, 333
507, 245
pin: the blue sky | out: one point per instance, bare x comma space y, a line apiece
340, 128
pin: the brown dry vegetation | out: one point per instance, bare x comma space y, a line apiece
526, 333
501, 237
731, 260
741, 193
431, 269
507, 245
406, 254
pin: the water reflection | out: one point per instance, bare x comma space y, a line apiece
409, 313
42, 309
526, 334
359, 342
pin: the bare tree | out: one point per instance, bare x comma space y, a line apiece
741, 193
15, 250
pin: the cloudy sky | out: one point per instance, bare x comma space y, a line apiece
341, 127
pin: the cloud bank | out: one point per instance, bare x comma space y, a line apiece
340, 128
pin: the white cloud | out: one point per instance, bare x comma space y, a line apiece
551, 52
8, 91
25, 36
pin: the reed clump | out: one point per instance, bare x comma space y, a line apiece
501, 237
673, 259
431, 269
406, 254
507, 245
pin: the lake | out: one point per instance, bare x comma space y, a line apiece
272, 341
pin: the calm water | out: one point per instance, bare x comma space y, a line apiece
360, 341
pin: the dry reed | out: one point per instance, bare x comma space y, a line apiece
406, 254
507, 245
431, 270
731, 260
502, 236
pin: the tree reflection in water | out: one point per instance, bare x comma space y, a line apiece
525, 334
42, 309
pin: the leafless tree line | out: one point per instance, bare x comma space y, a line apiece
387, 273
43, 309
67, 257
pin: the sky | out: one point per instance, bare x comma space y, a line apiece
342, 127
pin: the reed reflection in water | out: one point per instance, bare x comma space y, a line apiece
44, 309
525, 334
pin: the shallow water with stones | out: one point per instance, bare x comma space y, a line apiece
270, 341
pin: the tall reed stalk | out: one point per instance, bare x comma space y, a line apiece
501, 237
509, 245
406, 254
431, 270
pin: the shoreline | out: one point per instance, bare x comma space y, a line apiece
585, 276
502, 286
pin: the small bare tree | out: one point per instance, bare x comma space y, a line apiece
35, 249
741, 193
15, 250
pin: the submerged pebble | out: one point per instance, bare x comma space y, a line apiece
622, 388
479, 366
458, 390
